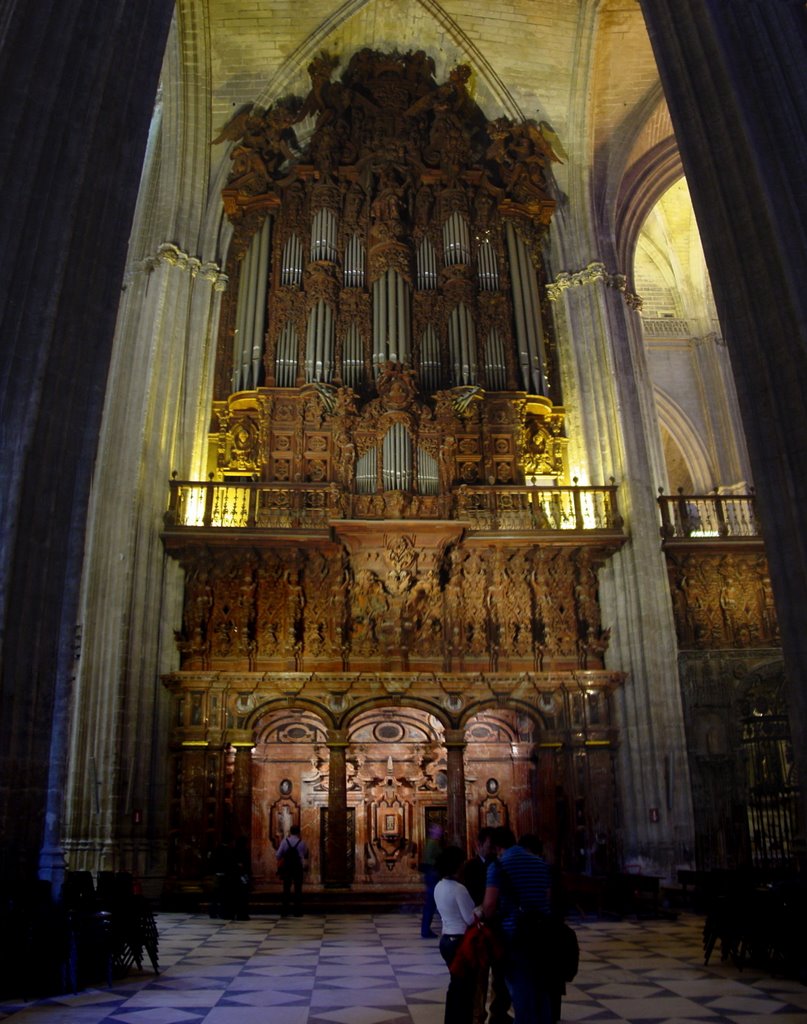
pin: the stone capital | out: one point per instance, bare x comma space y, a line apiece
593, 273
171, 255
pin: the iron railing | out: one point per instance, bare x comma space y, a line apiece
694, 516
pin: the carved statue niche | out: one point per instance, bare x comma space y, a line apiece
492, 813
388, 217
193, 641
270, 636
283, 814
521, 155
265, 143
369, 607
553, 586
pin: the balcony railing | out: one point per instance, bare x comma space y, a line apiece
252, 504
274, 506
694, 516
539, 508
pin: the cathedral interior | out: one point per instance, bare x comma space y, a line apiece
379, 451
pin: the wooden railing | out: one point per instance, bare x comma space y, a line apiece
695, 516
576, 508
253, 504
256, 505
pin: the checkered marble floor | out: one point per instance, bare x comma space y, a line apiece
375, 969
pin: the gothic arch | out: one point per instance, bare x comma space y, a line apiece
684, 432
288, 76
641, 189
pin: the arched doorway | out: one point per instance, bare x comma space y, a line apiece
510, 769
365, 762
395, 783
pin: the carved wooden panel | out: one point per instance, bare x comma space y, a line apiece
394, 597
722, 599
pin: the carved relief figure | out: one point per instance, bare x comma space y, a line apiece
295, 605
317, 609
368, 612
517, 606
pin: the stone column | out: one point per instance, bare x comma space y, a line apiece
337, 864
456, 824
722, 413
77, 105
170, 296
613, 432
733, 76
242, 791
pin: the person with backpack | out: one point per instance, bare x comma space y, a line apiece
292, 858
517, 894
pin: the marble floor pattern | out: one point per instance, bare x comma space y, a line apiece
375, 969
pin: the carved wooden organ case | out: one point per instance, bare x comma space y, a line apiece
384, 357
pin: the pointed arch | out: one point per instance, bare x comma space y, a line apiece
686, 435
642, 188
285, 78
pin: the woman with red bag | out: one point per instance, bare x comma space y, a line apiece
456, 909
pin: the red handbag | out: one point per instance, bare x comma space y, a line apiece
480, 946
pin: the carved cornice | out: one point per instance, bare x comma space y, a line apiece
591, 274
173, 256
711, 338
454, 696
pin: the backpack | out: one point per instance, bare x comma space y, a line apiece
290, 863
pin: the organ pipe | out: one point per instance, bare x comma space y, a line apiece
495, 362
354, 263
430, 360
319, 343
291, 267
323, 235
286, 358
428, 473
456, 241
397, 459
250, 314
426, 266
366, 471
527, 310
352, 362
260, 300
391, 319
487, 267
462, 345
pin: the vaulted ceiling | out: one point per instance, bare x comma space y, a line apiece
585, 66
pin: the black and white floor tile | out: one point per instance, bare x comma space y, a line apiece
375, 969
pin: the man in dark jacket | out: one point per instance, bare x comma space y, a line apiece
518, 882
292, 858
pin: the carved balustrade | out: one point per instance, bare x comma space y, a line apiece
251, 504
581, 509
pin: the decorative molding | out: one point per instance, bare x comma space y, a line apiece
708, 340
591, 274
172, 255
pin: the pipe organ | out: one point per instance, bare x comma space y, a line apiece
385, 401
404, 237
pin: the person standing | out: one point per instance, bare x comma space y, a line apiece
292, 858
428, 868
518, 882
474, 877
456, 909
243, 879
